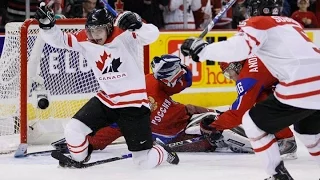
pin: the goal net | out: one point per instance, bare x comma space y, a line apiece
31, 70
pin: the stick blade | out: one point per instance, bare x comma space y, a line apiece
21, 150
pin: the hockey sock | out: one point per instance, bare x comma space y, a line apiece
76, 136
265, 145
150, 158
312, 142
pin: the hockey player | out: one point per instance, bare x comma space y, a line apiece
254, 83
294, 60
112, 53
169, 119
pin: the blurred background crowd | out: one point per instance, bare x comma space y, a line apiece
165, 14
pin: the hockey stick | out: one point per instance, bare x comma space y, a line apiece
217, 18
21, 150
107, 6
65, 161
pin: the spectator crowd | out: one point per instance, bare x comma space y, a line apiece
165, 14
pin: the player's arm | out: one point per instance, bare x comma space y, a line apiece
249, 89
52, 34
144, 33
104, 137
247, 41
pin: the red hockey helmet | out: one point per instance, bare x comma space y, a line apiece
230, 70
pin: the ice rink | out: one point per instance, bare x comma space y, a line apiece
193, 166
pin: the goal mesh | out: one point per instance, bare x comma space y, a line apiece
29, 68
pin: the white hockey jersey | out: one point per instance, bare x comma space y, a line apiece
286, 51
116, 65
173, 14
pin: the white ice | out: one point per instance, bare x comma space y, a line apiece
193, 166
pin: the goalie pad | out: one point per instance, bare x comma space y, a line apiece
236, 142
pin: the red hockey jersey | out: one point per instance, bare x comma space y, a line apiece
254, 84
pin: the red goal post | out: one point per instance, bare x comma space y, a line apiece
29, 68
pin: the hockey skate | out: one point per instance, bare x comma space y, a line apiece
288, 148
282, 173
172, 156
67, 161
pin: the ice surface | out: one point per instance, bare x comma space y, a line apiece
193, 166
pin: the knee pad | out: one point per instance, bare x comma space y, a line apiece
76, 133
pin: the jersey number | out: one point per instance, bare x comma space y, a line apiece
301, 32
240, 88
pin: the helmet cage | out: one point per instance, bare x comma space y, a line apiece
235, 66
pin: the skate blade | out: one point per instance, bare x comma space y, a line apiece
289, 156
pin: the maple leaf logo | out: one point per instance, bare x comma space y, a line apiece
100, 64
114, 66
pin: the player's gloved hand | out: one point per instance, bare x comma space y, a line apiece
214, 136
45, 17
128, 21
192, 47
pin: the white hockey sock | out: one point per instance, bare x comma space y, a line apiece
312, 142
265, 145
76, 136
150, 158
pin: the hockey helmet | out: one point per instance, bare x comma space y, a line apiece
98, 21
230, 70
264, 7
167, 68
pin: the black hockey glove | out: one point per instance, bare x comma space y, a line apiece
213, 136
45, 17
129, 21
192, 47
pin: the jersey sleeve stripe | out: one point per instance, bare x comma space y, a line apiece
254, 39
301, 81
250, 47
296, 96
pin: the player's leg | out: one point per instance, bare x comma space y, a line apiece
134, 124
265, 119
308, 131
88, 119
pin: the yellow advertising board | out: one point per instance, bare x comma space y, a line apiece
210, 87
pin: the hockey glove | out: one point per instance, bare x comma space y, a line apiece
192, 47
45, 17
129, 21
213, 136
